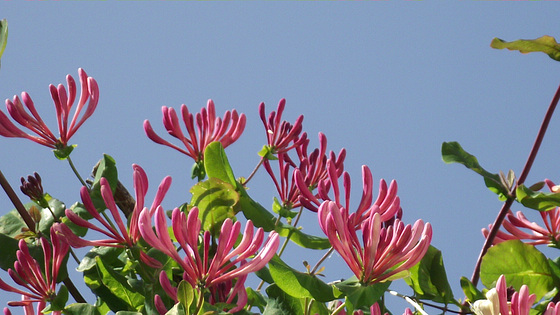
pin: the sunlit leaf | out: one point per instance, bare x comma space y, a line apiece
81, 309
298, 284
119, 286
106, 169
521, 264
470, 290
545, 44
216, 163
429, 279
215, 200
3, 35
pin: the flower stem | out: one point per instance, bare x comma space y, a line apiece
290, 233
73, 290
253, 172
76, 172
17, 203
505, 208
318, 264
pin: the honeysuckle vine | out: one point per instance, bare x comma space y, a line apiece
200, 256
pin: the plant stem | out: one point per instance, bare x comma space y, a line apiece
73, 290
76, 172
505, 208
290, 233
327, 254
17, 203
339, 308
253, 172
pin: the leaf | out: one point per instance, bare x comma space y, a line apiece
521, 264
359, 295
470, 290
452, 152
541, 201
185, 294
81, 309
216, 163
107, 169
109, 254
177, 309
256, 299
3, 35
215, 200
59, 301
428, 278
546, 44
298, 284
282, 303
64, 153
118, 285
9, 249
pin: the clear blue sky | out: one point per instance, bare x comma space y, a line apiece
389, 81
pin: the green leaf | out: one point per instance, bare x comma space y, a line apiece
185, 294
216, 163
256, 299
177, 309
107, 169
109, 254
128, 313
470, 290
541, 201
298, 284
59, 301
119, 286
452, 152
9, 249
3, 35
282, 302
81, 309
64, 153
359, 295
267, 153
428, 278
215, 200
521, 264
545, 44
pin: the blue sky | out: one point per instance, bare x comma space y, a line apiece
388, 81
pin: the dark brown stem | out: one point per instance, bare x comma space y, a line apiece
17, 203
73, 290
505, 208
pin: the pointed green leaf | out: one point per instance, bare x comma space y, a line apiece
215, 200
3, 35
359, 295
64, 153
177, 309
59, 301
545, 44
470, 290
452, 152
107, 169
298, 284
216, 163
428, 278
521, 264
119, 286
185, 294
541, 201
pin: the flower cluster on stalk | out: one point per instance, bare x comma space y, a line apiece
63, 102
499, 302
210, 268
39, 281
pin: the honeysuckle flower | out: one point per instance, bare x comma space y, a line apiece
63, 102
205, 271
387, 202
536, 235
28, 308
385, 252
281, 135
39, 282
209, 128
313, 169
552, 309
497, 303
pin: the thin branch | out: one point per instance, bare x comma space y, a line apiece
505, 208
17, 203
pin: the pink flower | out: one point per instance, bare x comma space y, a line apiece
536, 235
387, 202
281, 135
209, 129
497, 301
386, 251
312, 168
118, 236
552, 309
203, 271
63, 102
39, 282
